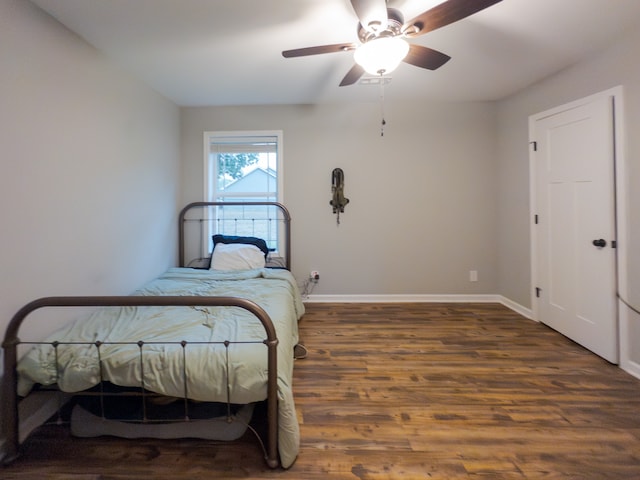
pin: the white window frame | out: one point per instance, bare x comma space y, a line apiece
210, 192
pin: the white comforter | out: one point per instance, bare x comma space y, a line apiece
163, 366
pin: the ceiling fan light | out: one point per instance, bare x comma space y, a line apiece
381, 55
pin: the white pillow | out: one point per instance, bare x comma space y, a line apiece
236, 256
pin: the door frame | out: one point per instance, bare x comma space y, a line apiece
620, 213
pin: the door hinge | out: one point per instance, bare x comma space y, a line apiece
534, 145
535, 218
538, 290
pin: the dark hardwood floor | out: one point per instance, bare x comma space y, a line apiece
434, 391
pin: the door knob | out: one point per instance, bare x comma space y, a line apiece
601, 242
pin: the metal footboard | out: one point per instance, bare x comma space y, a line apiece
10, 413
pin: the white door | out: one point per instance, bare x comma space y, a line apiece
575, 257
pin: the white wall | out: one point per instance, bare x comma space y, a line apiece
617, 65
423, 196
89, 168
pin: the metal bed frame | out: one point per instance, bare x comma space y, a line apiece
10, 406
286, 224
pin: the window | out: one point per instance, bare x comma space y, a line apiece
244, 167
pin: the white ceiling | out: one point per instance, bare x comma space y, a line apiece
228, 52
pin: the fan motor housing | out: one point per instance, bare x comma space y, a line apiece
392, 29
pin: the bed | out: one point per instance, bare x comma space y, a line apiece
205, 341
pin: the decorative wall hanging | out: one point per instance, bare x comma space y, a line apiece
339, 201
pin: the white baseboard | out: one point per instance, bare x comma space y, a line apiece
631, 367
516, 307
422, 298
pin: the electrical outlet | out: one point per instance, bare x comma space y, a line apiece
314, 275
473, 275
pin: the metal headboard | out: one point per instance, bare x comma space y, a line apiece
285, 220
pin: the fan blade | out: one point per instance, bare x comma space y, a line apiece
352, 75
303, 52
444, 14
424, 57
371, 13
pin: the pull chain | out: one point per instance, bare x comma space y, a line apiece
383, 122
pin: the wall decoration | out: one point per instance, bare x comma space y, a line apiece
339, 201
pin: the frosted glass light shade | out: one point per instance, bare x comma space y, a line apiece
381, 55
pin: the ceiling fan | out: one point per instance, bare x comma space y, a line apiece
382, 32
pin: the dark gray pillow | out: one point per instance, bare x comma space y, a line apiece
258, 242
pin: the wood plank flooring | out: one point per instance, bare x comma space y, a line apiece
433, 391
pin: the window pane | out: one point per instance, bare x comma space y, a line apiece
245, 164
249, 220
250, 173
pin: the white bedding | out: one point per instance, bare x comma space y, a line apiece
274, 290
